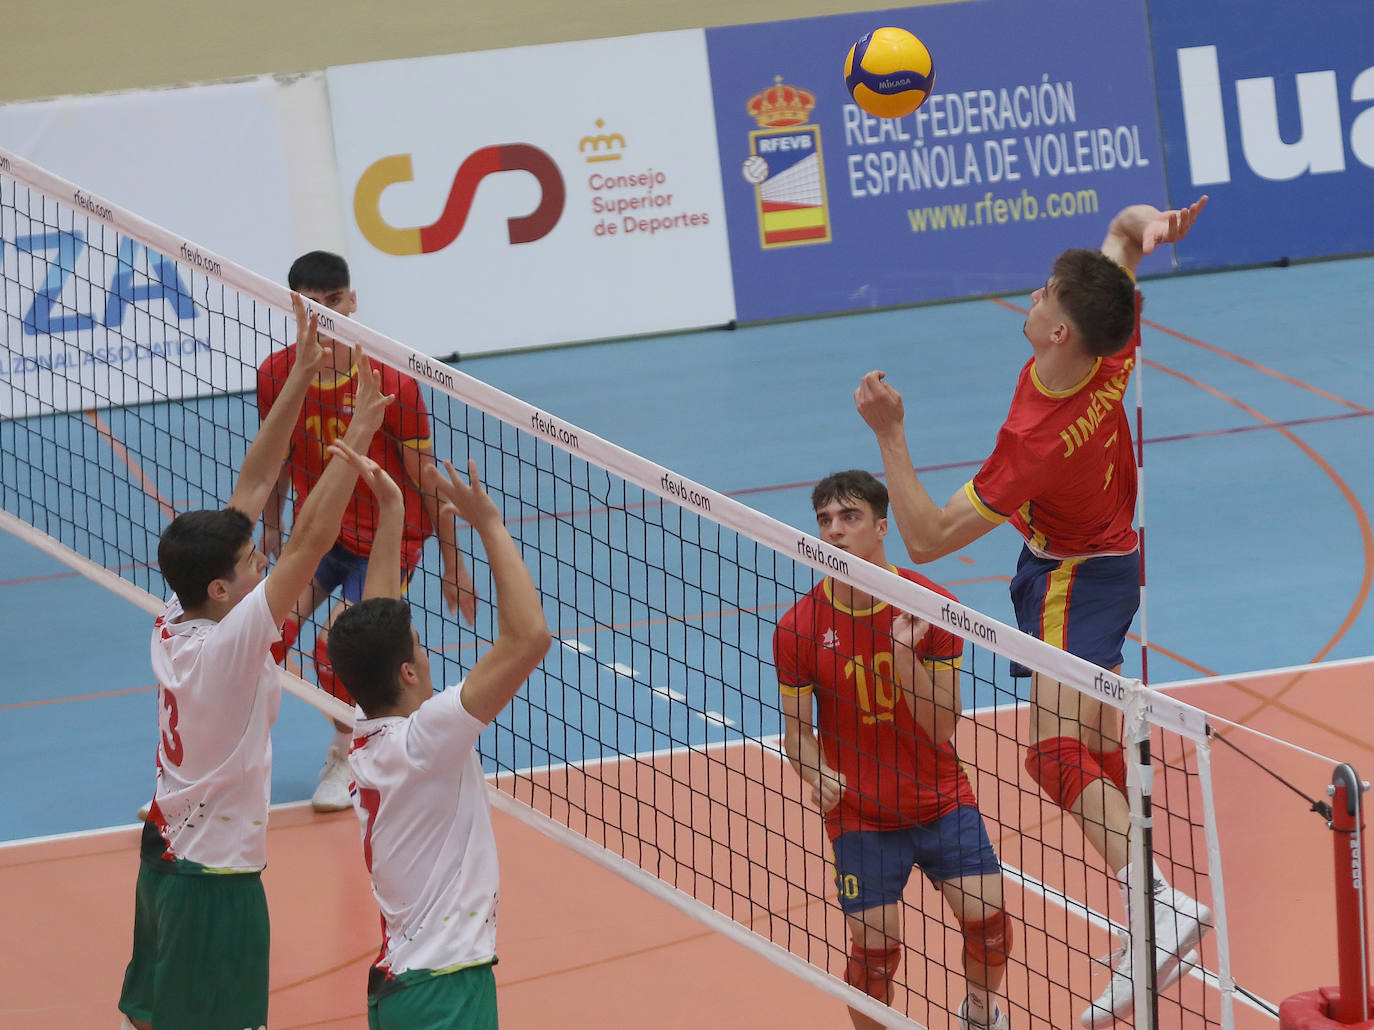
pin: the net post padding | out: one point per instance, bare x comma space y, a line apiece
1349, 1004
1167, 712
1311, 1010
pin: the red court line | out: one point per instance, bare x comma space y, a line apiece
23, 580
75, 697
135, 470
1265, 369
1361, 516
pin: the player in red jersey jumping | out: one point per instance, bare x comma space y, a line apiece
1063, 473
401, 449
884, 771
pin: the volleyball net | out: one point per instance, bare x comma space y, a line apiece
649, 739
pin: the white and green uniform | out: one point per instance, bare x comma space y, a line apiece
218, 696
201, 937
421, 800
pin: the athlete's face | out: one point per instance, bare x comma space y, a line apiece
248, 572
849, 524
1046, 316
345, 302
420, 667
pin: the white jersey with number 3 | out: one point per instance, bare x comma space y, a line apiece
421, 799
218, 696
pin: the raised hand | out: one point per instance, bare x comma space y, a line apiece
466, 500
311, 355
1171, 226
378, 480
879, 404
369, 403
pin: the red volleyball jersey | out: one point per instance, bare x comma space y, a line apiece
1063, 471
324, 418
895, 775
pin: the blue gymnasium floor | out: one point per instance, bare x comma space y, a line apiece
1258, 392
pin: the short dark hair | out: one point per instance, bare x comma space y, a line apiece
1099, 296
198, 547
319, 270
853, 483
367, 646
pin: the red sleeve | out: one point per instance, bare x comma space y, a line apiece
1010, 476
940, 645
269, 384
786, 659
410, 419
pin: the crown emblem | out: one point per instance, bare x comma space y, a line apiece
781, 105
612, 142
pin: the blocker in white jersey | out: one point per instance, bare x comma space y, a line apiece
201, 934
218, 696
418, 789
422, 800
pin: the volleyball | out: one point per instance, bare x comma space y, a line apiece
889, 73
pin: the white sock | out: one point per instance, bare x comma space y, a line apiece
343, 740
1158, 883
978, 1006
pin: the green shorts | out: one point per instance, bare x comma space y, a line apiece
426, 999
200, 951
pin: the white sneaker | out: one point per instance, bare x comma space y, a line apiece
998, 1021
1180, 922
143, 812
1118, 999
332, 793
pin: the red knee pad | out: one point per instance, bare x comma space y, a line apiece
871, 970
324, 672
1063, 767
988, 941
290, 630
1113, 766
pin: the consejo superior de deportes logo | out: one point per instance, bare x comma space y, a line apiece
508, 157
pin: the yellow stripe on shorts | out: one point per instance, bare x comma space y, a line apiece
1055, 610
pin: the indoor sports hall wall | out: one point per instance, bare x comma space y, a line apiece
688, 178
1268, 107
93, 46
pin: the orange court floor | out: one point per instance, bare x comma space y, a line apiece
582, 948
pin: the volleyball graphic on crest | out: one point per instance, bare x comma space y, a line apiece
889, 73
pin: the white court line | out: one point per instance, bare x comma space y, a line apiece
1286, 670
1094, 918
53, 838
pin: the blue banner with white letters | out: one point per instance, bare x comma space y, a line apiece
1268, 107
1032, 138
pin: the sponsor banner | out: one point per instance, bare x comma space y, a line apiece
94, 318
1268, 108
537, 195
1031, 140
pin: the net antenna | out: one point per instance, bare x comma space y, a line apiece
662, 592
1140, 778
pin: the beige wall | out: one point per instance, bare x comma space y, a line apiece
56, 47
